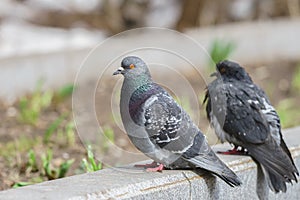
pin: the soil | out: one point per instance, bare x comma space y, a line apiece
16, 138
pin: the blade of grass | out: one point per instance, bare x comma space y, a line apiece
52, 128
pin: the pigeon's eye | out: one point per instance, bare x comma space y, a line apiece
131, 66
222, 70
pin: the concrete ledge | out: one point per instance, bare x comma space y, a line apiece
133, 183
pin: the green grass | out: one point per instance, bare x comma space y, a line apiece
90, 164
52, 128
21, 184
63, 93
66, 91
296, 79
31, 106
70, 133
20, 145
43, 168
21, 153
54, 172
61, 131
289, 113
32, 165
220, 50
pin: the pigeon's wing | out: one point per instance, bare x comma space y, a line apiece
164, 121
170, 128
216, 98
242, 114
273, 120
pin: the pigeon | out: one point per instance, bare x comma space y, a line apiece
241, 114
161, 129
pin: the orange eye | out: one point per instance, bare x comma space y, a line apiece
222, 70
131, 66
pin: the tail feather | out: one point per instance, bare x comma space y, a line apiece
230, 179
287, 151
214, 165
277, 165
275, 181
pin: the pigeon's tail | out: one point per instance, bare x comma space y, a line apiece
229, 177
277, 165
287, 151
213, 164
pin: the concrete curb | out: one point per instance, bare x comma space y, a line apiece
133, 183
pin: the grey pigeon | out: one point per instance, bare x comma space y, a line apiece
160, 128
242, 114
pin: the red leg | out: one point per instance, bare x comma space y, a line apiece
152, 167
234, 151
159, 168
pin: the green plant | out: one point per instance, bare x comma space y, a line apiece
21, 184
296, 79
46, 159
64, 168
70, 133
288, 112
22, 144
220, 50
65, 130
89, 164
31, 107
52, 128
32, 165
54, 173
64, 92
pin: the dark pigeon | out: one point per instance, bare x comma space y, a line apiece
160, 128
242, 114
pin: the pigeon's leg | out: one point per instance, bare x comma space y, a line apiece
150, 165
159, 168
235, 151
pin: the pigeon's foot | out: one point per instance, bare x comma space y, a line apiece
235, 151
159, 168
150, 165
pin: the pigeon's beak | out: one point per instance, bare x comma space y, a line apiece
119, 71
214, 74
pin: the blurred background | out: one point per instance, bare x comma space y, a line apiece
111, 17
44, 42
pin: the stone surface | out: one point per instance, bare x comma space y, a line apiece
134, 183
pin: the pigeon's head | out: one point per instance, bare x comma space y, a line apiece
132, 66
231, 70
